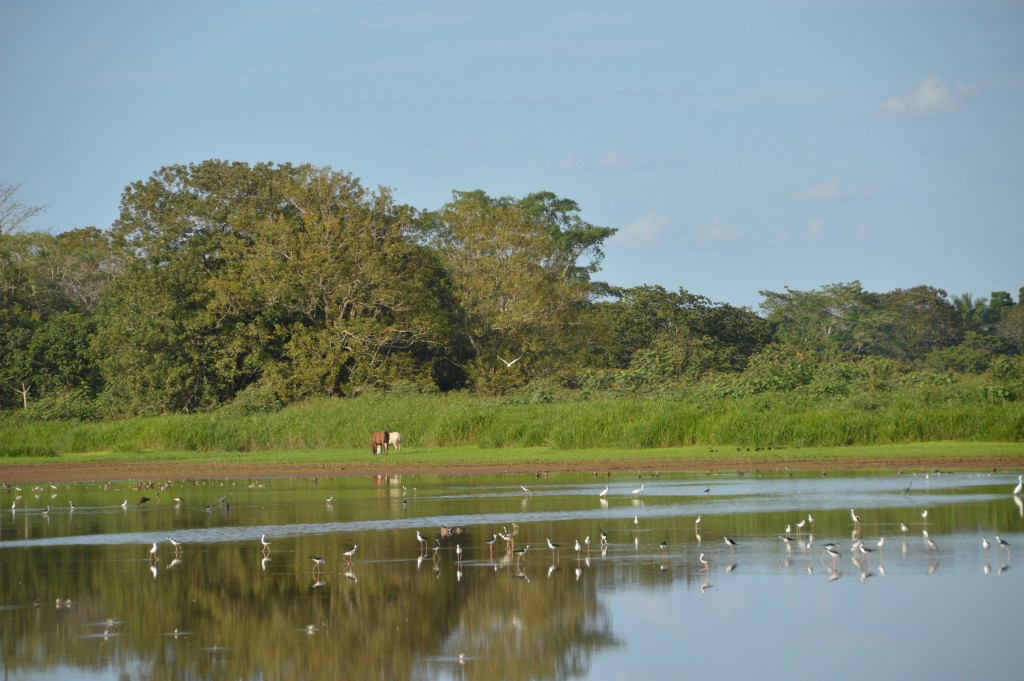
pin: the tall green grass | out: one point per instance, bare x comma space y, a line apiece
429, 421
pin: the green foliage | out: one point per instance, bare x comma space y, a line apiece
295, 280
9, 452
517, 278
650, 318
242, 290
1007, 379
1011, 328
922, 411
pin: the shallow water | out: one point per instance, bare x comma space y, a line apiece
80, 597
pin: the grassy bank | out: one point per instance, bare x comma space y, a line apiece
461, 460
760, 423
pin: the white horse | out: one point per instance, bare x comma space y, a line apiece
394, 440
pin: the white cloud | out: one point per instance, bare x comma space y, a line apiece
862, 233
932, 97
718, 232
646, 230
657, 231
815, 232
833, 190
569, 162
613, 160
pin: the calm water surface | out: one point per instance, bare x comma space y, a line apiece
81, 597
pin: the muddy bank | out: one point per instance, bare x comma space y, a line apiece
83, 472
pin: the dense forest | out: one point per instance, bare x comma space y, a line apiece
229, 286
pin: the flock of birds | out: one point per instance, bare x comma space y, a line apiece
516, 552
798, 536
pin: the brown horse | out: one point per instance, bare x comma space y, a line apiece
379, 442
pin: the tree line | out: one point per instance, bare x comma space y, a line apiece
226, 284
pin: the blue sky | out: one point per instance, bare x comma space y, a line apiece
737, 146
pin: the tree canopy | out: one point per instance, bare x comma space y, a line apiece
254, 286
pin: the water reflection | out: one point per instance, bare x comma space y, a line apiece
478, 577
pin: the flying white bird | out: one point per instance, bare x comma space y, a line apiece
508, 363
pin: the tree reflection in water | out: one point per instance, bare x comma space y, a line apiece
77, 592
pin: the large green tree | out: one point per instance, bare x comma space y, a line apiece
520, 272
836, 317
643, 318
284, 280
924, 319
1011, 327
49, 286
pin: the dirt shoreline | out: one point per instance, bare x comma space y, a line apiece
85, 472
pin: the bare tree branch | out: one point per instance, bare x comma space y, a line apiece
13, 213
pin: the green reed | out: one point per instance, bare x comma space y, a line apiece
433, 421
